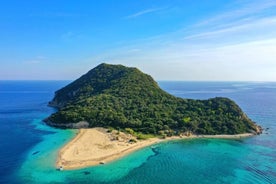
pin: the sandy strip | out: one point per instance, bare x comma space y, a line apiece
95, 146
236, 136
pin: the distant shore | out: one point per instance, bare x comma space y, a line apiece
96, 146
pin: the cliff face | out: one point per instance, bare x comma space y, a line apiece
122, 97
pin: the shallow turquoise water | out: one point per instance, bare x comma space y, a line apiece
250, 160
184, 161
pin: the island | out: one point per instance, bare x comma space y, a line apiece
120, 109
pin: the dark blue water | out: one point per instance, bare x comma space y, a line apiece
28, 147
21, 102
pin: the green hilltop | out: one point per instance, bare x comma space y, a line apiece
122, 97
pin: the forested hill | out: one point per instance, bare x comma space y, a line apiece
122, 97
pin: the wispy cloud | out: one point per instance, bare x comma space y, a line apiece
246, 9
245, 20
244, 61
143, 12
256, 27
238, 44
35, 60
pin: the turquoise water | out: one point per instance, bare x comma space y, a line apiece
33, 147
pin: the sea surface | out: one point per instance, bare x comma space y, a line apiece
28, 147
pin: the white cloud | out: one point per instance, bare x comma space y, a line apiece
246, 9
256, 27
35, 60
248, 61
247, 21
143, 12
237, 45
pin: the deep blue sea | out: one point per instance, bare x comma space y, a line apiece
28, 147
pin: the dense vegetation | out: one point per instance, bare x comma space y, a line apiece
121, 97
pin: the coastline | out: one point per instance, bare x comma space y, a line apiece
94, 146
91, 147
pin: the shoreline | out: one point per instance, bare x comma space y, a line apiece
95, 146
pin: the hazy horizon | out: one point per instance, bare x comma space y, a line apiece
71, 80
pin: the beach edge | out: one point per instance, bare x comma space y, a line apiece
70, 163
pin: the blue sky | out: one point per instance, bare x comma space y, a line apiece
220, 40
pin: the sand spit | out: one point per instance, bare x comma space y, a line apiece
98, 146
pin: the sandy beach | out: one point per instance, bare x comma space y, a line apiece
97, 146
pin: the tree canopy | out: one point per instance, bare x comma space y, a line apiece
123, 97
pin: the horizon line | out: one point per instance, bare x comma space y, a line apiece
163, 80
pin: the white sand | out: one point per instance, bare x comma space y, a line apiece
95, 146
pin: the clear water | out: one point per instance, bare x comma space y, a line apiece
28, 147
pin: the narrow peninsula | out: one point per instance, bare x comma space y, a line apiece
127, 101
